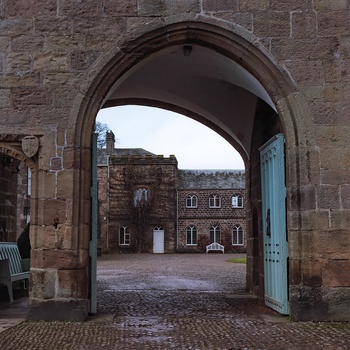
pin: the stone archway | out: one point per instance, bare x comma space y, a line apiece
231, 46
60, 271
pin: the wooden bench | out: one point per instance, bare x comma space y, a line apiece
12, 267
215, 246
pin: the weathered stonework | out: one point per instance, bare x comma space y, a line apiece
60, 61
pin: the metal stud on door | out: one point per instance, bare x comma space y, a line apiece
274, 224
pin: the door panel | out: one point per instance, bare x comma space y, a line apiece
158, 241
274, 224
94, 221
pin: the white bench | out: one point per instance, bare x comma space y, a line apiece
215, 246
12, 267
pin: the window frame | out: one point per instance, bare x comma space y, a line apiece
236, 231
215, 229
192, 197
192, 231
240, 201
216, 201
125, 232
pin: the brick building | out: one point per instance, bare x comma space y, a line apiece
147, 204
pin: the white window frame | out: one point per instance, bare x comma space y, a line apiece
192, 231
193, 201
124, 230
216, 231
237, 230
237, 201
214, 201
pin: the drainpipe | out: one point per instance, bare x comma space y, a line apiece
177, 220
107, 214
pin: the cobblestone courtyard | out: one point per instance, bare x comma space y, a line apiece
176, 302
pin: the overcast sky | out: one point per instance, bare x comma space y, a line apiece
162, 132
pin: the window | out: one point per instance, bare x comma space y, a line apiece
124, 235
237, 201
214, 234
141, 197
191, 235
237, 235
191, 201
214, 201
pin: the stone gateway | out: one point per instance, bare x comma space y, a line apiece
247, 69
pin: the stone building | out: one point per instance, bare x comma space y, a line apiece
146, 204
14, 198
211, 208
272, 77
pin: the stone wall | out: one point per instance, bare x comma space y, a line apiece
203, 217
58, 61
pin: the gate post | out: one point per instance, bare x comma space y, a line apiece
60, 234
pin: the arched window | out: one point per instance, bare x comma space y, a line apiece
124, 236
237, 201
191, 235
141, 197
237, 235
214, 233
214, 201
191, 201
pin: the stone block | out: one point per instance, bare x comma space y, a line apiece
272, 24
303, 24
220, 5
52, 61
31, 97
335, 273
308, 49
5, 98
18, 63
52, 211
166, 7
333, 23
314, 219
59, 259
81, 60
288, 6
254, 5
331, 5
303, 198
294, 272
46, 185
120, 7
43, 282
65, 184
72, 284
31, 8
15, 26
345, 196
55, 25
306, 73
328, 197
311, 273
335, 158
244, 19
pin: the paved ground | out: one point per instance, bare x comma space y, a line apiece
173, 302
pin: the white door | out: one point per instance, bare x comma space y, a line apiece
158, 240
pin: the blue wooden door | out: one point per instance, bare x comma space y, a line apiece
94, 223
274, 224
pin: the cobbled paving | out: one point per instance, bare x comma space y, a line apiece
176, 302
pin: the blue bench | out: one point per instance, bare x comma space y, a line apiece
12, 267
